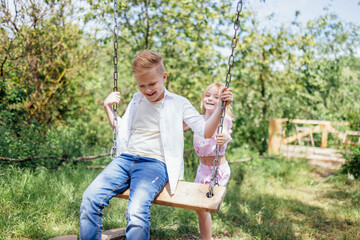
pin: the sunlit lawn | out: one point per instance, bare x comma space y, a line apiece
266, 199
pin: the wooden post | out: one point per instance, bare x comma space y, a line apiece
324, 135
275, 136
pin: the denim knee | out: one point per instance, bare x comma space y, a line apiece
136, 232
138, 214
91, 204
90, 217
138, 223
87, 201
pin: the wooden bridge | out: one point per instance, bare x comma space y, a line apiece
302, 143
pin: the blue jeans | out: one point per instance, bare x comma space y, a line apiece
146, 177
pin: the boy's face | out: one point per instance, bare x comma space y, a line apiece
151, 85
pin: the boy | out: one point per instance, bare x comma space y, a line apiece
150, 147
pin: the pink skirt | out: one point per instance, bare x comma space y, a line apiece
204, 173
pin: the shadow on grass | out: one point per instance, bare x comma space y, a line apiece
172, 223
266, 216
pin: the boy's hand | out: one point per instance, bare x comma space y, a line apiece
113, 98
226, 95
221, 138
185, 126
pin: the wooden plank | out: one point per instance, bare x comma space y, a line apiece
274, 136
343, 136
96, 167
68, 237
114, 234
353, 133
188, 195
324, 135
315, 122
336, 132
316, 156
320, 158
316, 150
301, 135
327, 159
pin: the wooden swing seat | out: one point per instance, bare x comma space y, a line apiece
188, 195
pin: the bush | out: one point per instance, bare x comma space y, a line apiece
59, 141
352, 163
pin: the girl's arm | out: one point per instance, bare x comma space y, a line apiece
113, 98
213, 122
223, 137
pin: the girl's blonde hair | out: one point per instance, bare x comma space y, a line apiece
218, 86
147, 60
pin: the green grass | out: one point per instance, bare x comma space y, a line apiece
266, 199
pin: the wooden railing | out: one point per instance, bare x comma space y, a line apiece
277, 134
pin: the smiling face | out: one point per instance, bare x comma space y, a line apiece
211, 99
151, 84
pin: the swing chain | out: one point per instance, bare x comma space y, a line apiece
115, 89
214, 178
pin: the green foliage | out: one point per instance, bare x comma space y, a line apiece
59, 141
55, 73
354, 120
21, 143
42, 60
54, 76
297, 72
352, 163
186, 33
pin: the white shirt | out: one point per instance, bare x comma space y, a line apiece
145, 137
175, 109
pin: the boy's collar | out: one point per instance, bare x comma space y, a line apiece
138, 96
167, 93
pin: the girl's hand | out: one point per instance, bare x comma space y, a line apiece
113, 98
221, 138
226, 95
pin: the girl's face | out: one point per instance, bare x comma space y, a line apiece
211, 99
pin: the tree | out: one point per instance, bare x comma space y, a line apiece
186, 33
294, 73
41, 57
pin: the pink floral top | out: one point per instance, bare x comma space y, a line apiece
206, 147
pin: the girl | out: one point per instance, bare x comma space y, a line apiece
206, 150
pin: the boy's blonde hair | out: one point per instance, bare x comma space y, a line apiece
218, 86
147, 60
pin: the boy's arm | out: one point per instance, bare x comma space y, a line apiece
213, 122
185, 126
113, 98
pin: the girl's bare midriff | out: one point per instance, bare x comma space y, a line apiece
210, 160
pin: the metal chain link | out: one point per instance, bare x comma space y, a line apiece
214, 178
115, 89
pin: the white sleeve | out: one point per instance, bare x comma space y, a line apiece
193, 118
